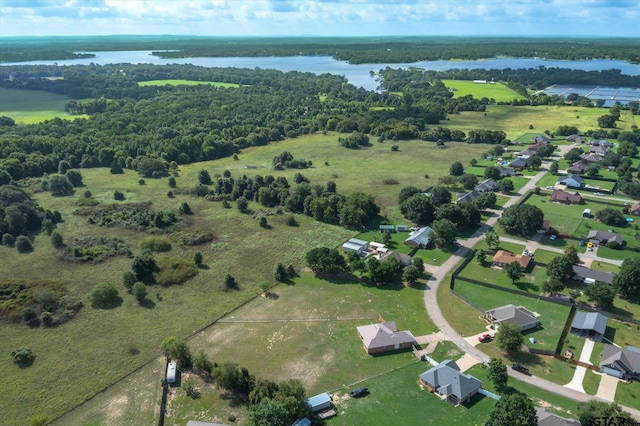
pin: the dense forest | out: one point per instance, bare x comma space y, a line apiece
355, 50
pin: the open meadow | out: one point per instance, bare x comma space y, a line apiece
174, 82
497, 91
32, 106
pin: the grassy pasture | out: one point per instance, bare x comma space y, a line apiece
32, 106
175, 82
497, 91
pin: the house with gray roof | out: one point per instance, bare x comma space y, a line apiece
589, 324
447, 380
577, 168
600, 150
590, 158
354, 244
384, 337
403, 259
486, 185
571, 181
540, 139
635, 209
589, 276
621, 363
506, 171
419, 238
518, 163
468, 197
517, 315
574, 138
319, 402
603, 237
547, 418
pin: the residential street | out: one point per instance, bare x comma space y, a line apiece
433, 309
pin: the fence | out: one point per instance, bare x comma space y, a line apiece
566, 329
489, 394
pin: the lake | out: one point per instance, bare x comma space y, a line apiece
358, 75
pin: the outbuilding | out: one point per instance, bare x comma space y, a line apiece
319, 402
171, 372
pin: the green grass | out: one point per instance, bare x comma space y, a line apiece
396, 242
531, 282
497, 91
628, 394
545, 256
186, 83
591, 382
33, 106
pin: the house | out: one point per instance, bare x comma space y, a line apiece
525, 154
384, 337
319, 402
354, 244
635, 209
603, 237
571, 181
486, 185
419, 238
518, 163
389, 228
541, 139
577, 168
302, 422
536, 146
621, 363
506, 171
446, 379
599, 150
574, 138
502, 257
590, 158
517, 315
546, 226
468, 197
589, 276
171, 372
403, 259
589, 324
546, 418
560, 196
586, 213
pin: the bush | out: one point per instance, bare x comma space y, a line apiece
118, 196
197, 258
141, 182
8, 240
174, 270
56, 240
157, 244
291, 220
129, 279
23, 356
172, 182
614, 245
23, 244
139, 291
104, 295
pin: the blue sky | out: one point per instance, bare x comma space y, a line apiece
321, 17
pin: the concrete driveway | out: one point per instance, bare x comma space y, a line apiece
607, 388
578, 376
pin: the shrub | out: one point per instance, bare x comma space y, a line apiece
139, 291
197, 258
23, 244
141, 182
174, 270
118, 196
614, 245
185, 209
291, 220
129, 279
57, 240
104, 295
23, 356
157, 244
172, 182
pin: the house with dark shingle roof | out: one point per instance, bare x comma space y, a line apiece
517, 315
546, 418
589, 276
590, 158
540, 139
564, 197
526, 153
621, 363
486, 185
574, 138
447, 380
518, 163
403, 259
603, 237
577, 168
600, 150
506, 171
384, 337
571, 181
468, 197
635, 209
589, 324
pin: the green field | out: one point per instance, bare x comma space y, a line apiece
32, 106
186, 83
497, 91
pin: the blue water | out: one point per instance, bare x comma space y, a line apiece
358, 75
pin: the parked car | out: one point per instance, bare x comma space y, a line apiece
553, 237
485, 338
521, 368
358, 392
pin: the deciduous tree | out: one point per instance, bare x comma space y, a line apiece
513, 271
516, 409
509, 337
498, 373
600, 293
560, 268
627, 281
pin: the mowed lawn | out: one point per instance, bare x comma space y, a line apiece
32, 106
497, 91
175, 82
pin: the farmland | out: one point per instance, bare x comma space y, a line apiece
32, 106
497, 91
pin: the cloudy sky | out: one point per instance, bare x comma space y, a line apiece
320, 17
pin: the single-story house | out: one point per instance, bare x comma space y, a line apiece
564, 197
540, 139
572, 181
486, 185
586, 213
447, 380
590, 158
546, 418
319, 402
546, 226
302, 422
171, 372
635, 209
621, 363
536, 146
574, 138
502, 257
389, 228
589, 276
384, 337
506, 171
468, 197
527, 153
600, 150
517, 315
603, 237
518, 163
354, 244
577, 168
403, 259
419, 238
589, 324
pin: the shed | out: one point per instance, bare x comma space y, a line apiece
319, 402
401, 228
171, 372
586, 213
389, 228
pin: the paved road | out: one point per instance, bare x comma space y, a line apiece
433, 309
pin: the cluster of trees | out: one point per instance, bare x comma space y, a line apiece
286, 160
560, 269
521, 219
355, 140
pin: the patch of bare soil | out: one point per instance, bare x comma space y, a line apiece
116, 409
